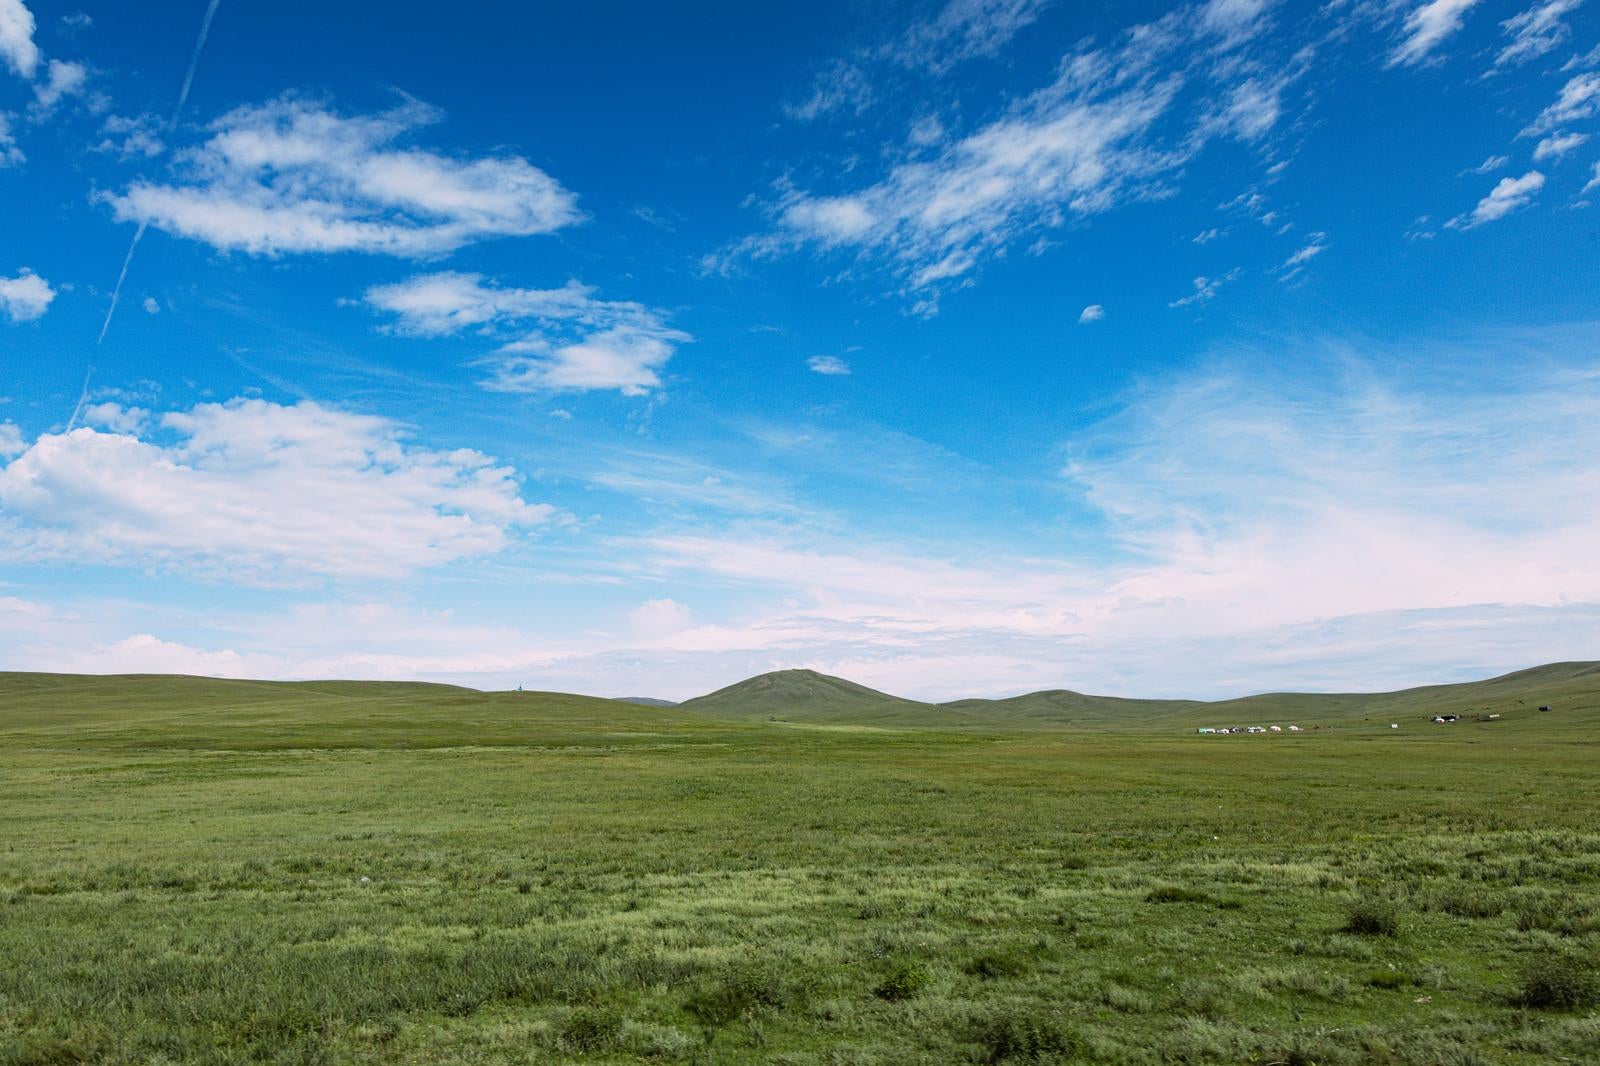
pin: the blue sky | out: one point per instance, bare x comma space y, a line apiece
962, 348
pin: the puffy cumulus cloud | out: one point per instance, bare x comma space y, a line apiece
1426, 27
16, 38
1507, 196
115, 417
828, 364
255, 492
293, 176
577, 342
26, 296
11, 442
1537, 30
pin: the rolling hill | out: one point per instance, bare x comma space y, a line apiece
133, 710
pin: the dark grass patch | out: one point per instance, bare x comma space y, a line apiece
1559, 981
1177, 894
1021, 1036
992, 965
1373, 918
904, 980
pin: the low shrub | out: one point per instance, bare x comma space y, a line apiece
992, 965
588, 1029
1177, 894
1373, 918
903, 981
1008, 1037
1559, 981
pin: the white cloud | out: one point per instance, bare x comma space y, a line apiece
841, 86
1426, 26
10, 154
63, 79
1067, 150
1594, 182
828, 364
1205, 289
1508, 195
577, 342
131, 137
1557, 145
655, 617
1537, 30
1315, 245
963, 30
292, 176
25, 297
150, 306
115, 417
255, 492
1579, 98
1235, 20
16, 38
1493, 163
1206, 236
1252, 109
1092, 313
11, 442
1118, 124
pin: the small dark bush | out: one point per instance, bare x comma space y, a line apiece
995, 964
718, 1004
1373, 918
902, 982
1562, 981
1390, 979
1472, 902
1006, 1037
591, 1030
1175, 894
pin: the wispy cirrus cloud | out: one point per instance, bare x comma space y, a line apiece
1116, 125
1578, 99
1538, 30
1426, 27
1508, 195
577, 342
293, 176
828, 365
258, 493
1206, 288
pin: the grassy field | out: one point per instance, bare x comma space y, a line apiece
207, 871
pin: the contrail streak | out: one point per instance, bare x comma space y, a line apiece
116, 293
183, 98
83, 398
194, 61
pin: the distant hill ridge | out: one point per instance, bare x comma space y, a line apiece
134, 709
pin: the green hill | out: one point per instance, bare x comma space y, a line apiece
159, 710
146, 711
805, 695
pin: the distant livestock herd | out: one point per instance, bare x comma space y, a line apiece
1438, 719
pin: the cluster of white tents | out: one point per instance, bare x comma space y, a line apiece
1251, 729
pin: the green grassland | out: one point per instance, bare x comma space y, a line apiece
797, 870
